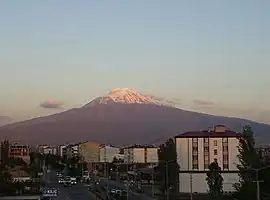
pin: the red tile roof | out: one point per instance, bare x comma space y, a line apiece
203, 134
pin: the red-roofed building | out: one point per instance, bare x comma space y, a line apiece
197, 149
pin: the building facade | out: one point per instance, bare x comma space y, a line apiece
197, 150
45, 149
62, 150
89, 151
147, 154
72, 150
107, 153
20, 151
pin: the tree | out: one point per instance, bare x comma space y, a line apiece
168, 168
5, 179
4, 152
249, 159
215, 181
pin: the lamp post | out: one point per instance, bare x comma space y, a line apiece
257, 179
167, 175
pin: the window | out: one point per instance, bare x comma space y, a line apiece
195, 166
225, 166
215, 152
215, 160
206, 152
195, 153
194, 141
225, 140
225, 153
215, 142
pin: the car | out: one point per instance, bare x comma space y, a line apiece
61, 180
73, 181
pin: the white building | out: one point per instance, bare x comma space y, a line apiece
196, 150
72, 150
108, 153
62, 150
45, 149
141, 154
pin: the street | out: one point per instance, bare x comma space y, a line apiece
131, 194
68, 193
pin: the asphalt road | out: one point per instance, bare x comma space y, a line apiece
131, 195
75, 192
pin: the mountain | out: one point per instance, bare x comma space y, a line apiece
5, 120
123, 116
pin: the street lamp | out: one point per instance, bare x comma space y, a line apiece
167, 175
257, 179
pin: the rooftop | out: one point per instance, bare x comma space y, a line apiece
217, 132
139, 146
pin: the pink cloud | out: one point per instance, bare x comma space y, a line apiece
52, 104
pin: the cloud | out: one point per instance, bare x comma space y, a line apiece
203, 102
52, 104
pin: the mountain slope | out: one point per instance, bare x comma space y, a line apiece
5, 120
120, 122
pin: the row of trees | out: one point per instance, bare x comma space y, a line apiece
253, 167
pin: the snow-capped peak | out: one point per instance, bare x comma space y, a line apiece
124, 96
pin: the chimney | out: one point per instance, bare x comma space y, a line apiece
220, 129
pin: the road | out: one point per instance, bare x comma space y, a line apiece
68, 193
131, 195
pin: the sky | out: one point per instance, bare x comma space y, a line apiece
210, 56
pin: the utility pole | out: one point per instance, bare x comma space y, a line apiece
153, 172
191, 192
127, 181
167, 180
105, 160
258, 183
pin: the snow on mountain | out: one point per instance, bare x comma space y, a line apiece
127, 96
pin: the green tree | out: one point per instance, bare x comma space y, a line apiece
168, 168
5, 179
215, 181
249, 159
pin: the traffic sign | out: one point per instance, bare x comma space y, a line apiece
50, 192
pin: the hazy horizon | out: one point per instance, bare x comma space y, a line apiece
208, 56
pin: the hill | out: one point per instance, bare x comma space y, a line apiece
121, 117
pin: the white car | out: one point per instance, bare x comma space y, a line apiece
73, 181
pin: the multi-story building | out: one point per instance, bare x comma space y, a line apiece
45, 149
197, 149
89, 151
72, 150
20, 151
141, 154
62, 150
264, 151
108, 153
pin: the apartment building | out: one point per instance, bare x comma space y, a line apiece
197, 149
108, 153
20, 151
72, 150
141, 154
89, 151
62, 150
46, 149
